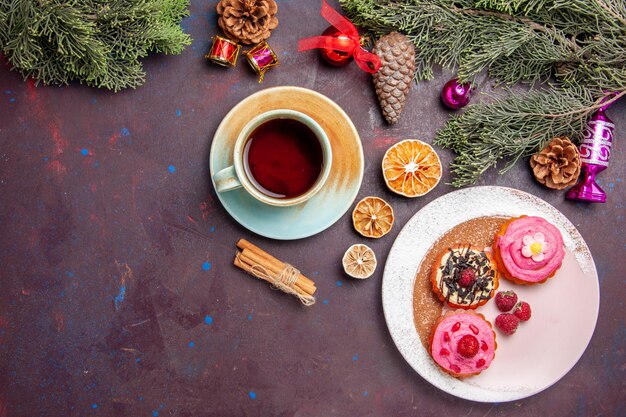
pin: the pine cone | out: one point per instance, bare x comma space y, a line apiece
393, 79
247, 21
558, 165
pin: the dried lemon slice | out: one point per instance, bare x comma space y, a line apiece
372, 217
411, 168
359, 261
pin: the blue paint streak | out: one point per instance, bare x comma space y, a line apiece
178, 113
212, 229
94, 101
94, 406
252, 395
192, 344
355, 357
206, 266
339, 283
249, 317
84, 152
8, 92
124, 131
119, 298
171, 168
45, 159
325, 301
155, 413
12, 99
365, 393
138, 360
208, 320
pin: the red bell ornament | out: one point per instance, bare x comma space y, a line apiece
333, 56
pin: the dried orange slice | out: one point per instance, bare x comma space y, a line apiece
359, 261
411, 168
372, 217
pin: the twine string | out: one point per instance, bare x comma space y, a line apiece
285, 280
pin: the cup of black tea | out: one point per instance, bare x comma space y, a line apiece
281, 158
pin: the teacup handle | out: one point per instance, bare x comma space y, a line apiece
226, 180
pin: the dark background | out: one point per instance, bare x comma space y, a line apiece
117, 293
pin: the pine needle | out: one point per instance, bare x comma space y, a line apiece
99, 43
578, 44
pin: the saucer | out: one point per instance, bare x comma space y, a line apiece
324, 208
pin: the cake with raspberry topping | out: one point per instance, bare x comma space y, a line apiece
528, 250
464, 277
463, 343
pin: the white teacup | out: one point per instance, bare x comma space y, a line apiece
238, 175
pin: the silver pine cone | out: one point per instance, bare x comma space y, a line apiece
393, 80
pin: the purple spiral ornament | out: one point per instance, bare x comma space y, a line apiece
595, 152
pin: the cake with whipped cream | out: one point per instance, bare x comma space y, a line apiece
528, 250
463, 343
464, 276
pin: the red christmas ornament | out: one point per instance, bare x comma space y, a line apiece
333, 56
345, 41
456, 95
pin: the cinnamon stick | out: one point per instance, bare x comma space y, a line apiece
239, 262
252, 258
244, 244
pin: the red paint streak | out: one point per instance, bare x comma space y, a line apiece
113, 139
25, 292
384, 142
192, 220
93, 217
60, 143
59, 321
93, 187
206, 208
33, 239
31, 93
57, 167
3, 407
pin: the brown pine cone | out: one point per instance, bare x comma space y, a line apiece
393, 79
247, 21
557, 166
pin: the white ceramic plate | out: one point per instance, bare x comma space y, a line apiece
565, 308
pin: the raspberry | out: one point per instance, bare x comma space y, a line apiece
480, 363
507, 322
446, 336
455, 368
444, 352
506, 300
467, 346
474, 329
522, 311
484, 346
467, 277
456, 326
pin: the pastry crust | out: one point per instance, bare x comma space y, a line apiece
501, 264
439, 290
450, 313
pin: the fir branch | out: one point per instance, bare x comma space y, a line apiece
579, 44
96, 42
512, 128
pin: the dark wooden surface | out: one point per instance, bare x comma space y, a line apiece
117, 294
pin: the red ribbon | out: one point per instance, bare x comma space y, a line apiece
367, 61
